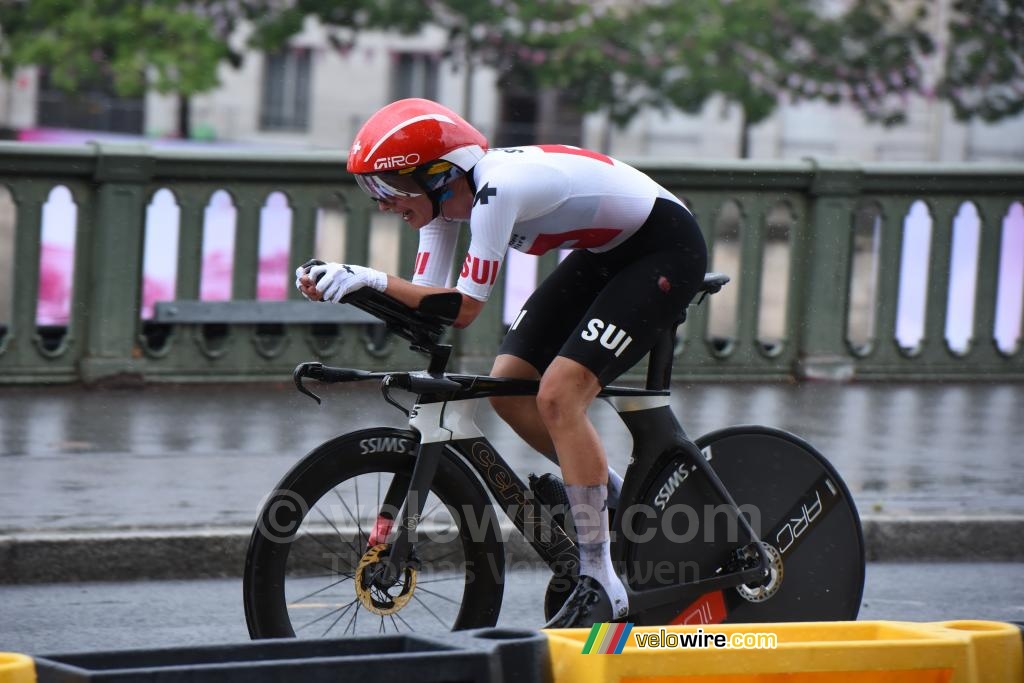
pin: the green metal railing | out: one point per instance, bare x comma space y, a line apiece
804, 212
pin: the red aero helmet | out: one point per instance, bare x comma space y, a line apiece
411, 132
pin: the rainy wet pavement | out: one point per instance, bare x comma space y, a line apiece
80, 617
179, 457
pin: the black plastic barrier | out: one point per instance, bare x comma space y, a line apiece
480, 656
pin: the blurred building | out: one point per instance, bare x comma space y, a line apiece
314, 95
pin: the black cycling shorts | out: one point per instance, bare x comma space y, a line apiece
606, 310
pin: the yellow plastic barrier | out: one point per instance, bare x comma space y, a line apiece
15, 668
816, 652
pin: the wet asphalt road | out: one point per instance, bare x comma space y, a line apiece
192, 456
195, 456
107, 616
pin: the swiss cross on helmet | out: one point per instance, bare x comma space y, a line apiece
413, 147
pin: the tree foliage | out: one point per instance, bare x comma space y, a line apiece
624, 56
614, 56
133, 46
621, 57
984, 69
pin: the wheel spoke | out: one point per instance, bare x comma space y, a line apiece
334, 623
334, 570
330, 551
455, 577
332, 575
458, 548
352, 622
355, 548
430, 611
407, 625
321, 590
359, 524
427, 514
443, 597
325, 616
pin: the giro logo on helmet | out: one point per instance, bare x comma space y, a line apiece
410, 134
397, 161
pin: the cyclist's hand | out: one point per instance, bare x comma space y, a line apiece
335, 280
304, 283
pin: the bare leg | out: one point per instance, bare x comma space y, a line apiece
520, 412
566, 391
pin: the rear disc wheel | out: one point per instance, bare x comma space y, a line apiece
795, 501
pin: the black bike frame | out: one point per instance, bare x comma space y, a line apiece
446, 421
443, 417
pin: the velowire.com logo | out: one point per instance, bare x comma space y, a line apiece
607, 639
610, 639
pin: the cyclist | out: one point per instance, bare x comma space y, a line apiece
637, 258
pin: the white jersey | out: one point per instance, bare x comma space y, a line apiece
536, 199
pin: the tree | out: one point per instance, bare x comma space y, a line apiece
613, 56
165, 46
477, 32
754, 54
518, 38
619, 57
984, 68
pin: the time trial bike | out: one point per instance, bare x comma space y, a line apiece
387, 529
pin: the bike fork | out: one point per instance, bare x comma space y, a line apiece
428, 419
428, 455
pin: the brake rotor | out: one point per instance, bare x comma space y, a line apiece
379, 599
762, 593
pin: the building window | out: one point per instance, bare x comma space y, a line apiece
93, 105
285, 104
415, 75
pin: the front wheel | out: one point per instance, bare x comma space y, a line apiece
312, 567
795, 501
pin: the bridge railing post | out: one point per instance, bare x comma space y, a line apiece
115, 266
824, 259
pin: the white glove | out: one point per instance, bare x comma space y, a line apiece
335, 280
302, 271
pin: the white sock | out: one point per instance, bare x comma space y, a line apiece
590, 517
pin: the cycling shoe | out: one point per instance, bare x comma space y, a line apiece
587, 605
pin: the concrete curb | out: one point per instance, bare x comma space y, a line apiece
209, 553
955, 538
